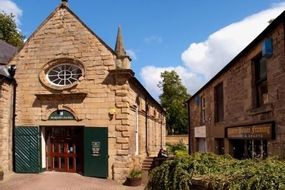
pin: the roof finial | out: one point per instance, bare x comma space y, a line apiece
119, 49
64, 3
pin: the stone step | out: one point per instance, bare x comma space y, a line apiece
147, 164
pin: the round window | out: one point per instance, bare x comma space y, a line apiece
64, 74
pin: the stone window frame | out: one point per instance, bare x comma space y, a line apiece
47, 67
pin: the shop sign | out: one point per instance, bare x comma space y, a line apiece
200, 132
95, 146
61, 115
261, 131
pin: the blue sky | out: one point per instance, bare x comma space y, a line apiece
164, 34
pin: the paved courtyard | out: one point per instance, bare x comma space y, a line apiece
60, 181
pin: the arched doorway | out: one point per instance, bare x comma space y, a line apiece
64, 144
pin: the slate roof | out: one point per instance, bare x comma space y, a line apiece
7, 51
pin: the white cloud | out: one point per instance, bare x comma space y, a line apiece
153, 39
8, 6
210, 56
151, 78
132, 54
202, 60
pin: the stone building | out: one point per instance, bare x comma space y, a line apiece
78, 106
241, 110
6, 101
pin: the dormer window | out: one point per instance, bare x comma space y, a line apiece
64, 74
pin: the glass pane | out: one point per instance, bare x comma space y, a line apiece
62, 163
61, 148
48, 161
70, 148
56, 148
70, 163
262, 70
61, 74
55, 163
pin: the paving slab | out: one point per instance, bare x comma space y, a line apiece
60, 181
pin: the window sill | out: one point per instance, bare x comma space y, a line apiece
263, 109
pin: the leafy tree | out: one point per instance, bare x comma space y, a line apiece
8, 30
173, 100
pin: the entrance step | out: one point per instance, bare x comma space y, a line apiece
147, 164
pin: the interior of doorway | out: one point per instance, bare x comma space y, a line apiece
249, 148
64, 148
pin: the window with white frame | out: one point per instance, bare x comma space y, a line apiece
64, 74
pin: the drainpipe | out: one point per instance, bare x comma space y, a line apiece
190, 146
13, 82
146, 139
161, 130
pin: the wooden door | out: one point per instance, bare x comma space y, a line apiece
62, 156
63, 149
96, 152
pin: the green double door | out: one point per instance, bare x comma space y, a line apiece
95, 151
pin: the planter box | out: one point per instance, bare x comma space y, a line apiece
1, 175
133, 181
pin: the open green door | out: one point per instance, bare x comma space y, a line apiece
27, 150
96, 152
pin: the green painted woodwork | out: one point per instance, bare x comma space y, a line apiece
27, 150
96, 152
61, 115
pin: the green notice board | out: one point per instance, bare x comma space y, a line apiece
96, 152
27, 150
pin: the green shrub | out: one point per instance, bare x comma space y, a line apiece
135, 173
181, 153
223, 172
172, 148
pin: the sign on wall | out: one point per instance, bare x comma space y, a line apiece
200, 132
96, 146
260, 131
61, 115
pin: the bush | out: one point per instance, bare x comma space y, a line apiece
135, 173
173, 148
222, 172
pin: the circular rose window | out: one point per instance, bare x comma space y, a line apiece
64, 74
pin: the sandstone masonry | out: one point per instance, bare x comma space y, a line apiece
106, 95
241, 110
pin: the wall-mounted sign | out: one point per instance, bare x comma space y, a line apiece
95, 148
61, 115
200, 132
260, 131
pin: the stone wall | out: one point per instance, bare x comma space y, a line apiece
239, 95
173, 139
6, 95
102, 88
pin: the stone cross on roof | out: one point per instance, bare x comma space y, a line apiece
64, 2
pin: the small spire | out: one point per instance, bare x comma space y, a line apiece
64, 3
119, 49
